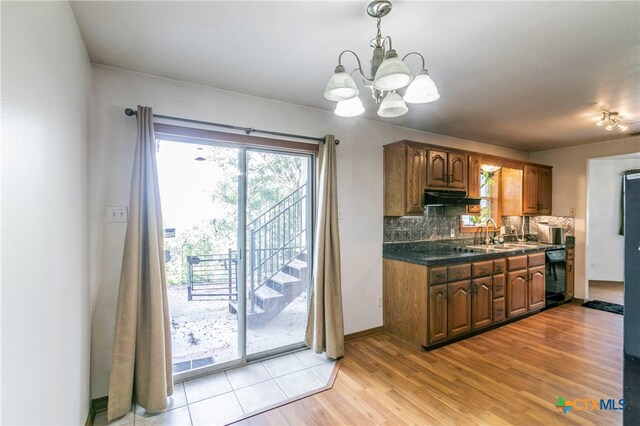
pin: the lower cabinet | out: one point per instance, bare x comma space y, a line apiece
516, 293
459, 308
536, 288
428, 305
437, 313
568, 293
482, 298
525, 285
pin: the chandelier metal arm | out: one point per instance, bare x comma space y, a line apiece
359, 64
415, 53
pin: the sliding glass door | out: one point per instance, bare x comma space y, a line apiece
237, 251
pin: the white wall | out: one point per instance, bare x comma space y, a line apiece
45, 287
570, 188
359, 174
604, 247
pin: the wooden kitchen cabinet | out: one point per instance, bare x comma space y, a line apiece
473, 182
459, 308
516, 293
446, 170
536, 288
482, 297
570, 283
536, 190
404, 180
437, 313
405, 297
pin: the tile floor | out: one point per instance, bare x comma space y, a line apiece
223, 397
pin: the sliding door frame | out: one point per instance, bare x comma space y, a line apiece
246, 143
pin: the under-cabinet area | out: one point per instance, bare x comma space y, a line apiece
426, 305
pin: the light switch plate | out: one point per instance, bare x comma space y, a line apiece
117, 214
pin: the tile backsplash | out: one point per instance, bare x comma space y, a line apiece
438, 222
567, 223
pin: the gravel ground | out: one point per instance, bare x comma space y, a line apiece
203, 328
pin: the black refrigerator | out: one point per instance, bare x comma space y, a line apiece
631, 378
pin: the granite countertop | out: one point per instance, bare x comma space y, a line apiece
430, 253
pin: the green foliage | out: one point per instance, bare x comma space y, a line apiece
271, 177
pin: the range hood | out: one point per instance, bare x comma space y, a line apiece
449, 198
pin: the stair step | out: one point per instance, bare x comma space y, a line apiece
283, 278
233, 308
265, 293
297, 264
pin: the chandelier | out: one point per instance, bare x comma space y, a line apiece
611, 121
388, 74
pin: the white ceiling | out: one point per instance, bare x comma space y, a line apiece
527, 75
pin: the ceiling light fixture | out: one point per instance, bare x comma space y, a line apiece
388, 74
611, 121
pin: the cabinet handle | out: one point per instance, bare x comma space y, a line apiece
499, 310
498, 287
446, 295
440, 276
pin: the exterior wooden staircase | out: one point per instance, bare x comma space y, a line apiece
277, 293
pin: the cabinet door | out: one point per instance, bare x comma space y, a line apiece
530, 190
459, 308
568, 294
415, 180
516, 293
482, 297
544, 190
536, 290
499, 288
437, 313
457, 170
473, 181
499, 314
437, 169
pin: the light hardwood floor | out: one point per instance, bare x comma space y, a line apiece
510, 375
607, 291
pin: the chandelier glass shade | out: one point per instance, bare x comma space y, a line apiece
341, 86
349, 108
389, 73
392, 106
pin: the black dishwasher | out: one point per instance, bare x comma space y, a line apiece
556, 276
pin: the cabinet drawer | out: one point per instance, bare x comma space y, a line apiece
499, 266
499, 310
438, 275
570, 254
459, 272
516, 262
536, 259
481, 269
499, 286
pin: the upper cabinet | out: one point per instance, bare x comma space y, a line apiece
473, 186
446, 170
411, 167
536, 190
404, 180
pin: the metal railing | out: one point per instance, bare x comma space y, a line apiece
275, 238
213, 275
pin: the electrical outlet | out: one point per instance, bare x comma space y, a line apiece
117, 214
453, 232
379, 301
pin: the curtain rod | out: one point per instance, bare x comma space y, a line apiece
248, 130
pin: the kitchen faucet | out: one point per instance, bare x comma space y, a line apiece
487, 240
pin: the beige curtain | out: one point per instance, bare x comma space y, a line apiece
325, 327
142, 344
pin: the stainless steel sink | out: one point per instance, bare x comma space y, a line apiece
492, 248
